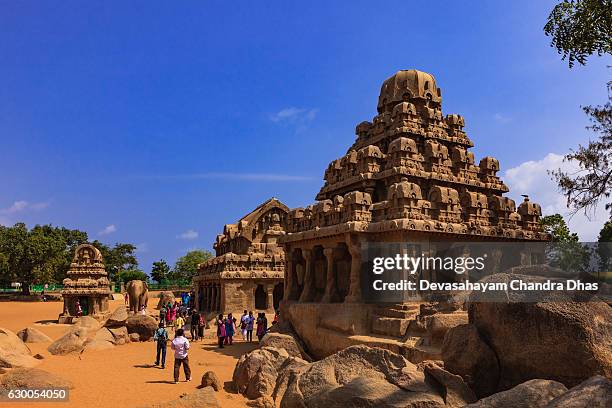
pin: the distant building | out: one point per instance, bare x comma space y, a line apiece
248, 270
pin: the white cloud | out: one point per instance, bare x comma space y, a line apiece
293, 115
189, 235
501, 118
23, 205
109, 229
532, 178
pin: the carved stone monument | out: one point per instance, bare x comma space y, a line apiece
408, 177
86, 286
248, 270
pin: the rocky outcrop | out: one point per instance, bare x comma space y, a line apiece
13, 351
466, 354
556, 338
87, 322
31, 378
287, 342
256, 372
118, 318
145, 326
33, 335
201, 398
456, 393
71, 342
360, 376
596, 392
210, 379
164, 299
438, 324
120, 335
530, 394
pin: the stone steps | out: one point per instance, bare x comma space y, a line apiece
390, 326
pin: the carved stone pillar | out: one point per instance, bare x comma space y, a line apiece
354, 247
290, 279
219, 297
270, 293
331, 289
308, 291
213, 297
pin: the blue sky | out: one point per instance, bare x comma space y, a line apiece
157, 124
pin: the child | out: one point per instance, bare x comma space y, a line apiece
179, 323
161, 338
229, 329
180, 345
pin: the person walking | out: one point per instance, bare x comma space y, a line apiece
250, 323
162, 314
262, 326
180, 345
79, 309
220, 330
161, 338
243, 325
195, 325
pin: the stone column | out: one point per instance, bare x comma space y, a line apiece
354, 247
212, 297
331, 290
307, 292
270, 293
218, 301
289, 278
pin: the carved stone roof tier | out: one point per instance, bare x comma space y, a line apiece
411, 168
249, 247
86, 275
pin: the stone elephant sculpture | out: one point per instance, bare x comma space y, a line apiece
138, 293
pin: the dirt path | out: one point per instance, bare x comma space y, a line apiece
123, 376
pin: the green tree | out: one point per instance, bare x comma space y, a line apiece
160, 271
580, 28
132, 274
39, 255
604, 246
119, 258
565, 252
186, 266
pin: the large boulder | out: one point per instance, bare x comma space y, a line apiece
71, 342
438, 324
118, 318
531, 394
466, 354
13, 351
94, 345
360, 376
33, 335
87, 322
165, 298
120, 335
210, 379
201, 398
555, 338
145, 326
456, 393
596, 392
31, 378
287, 342
256, 372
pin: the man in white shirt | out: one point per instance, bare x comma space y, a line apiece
244, 321
180, 345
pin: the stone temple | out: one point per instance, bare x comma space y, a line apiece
408, 177
87, 283
248, 269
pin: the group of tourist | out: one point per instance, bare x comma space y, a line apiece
227, 327
180, 344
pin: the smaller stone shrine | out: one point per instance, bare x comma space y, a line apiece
86, 285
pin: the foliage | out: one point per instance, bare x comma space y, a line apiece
186, 266
604, 247
119, 258
40, 255
580, 28
565, 252
160, 271
132, 274
592, 181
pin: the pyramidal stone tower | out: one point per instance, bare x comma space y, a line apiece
408, 177
86, 286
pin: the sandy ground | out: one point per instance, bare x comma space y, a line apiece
123, 376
